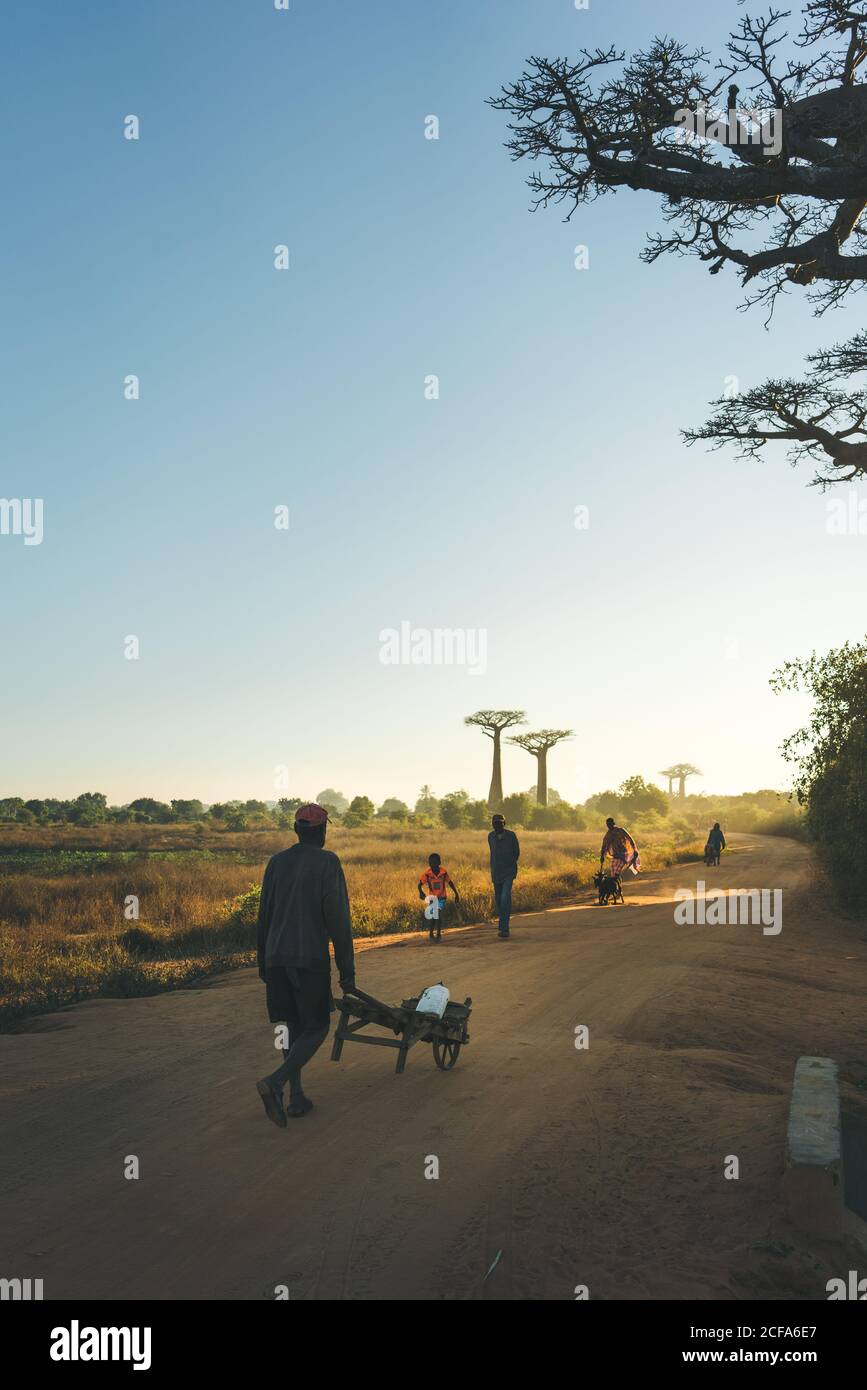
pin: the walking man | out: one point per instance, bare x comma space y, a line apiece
716, 843
303, 905
505, 852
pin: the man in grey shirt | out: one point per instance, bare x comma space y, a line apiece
303, 905
505, 852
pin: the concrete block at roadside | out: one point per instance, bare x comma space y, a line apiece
813, 1176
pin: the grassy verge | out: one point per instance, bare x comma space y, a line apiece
64, 937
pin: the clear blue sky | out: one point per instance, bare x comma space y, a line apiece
652, 634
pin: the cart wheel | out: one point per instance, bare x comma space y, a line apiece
446, 1054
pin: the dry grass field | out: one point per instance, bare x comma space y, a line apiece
67, 932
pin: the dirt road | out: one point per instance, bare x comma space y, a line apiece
558, 1167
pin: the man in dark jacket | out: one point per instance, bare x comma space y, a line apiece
716, 843
303, 905
505, 852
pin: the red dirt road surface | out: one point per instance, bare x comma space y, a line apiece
558, 1167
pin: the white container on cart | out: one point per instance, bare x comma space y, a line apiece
433, 1001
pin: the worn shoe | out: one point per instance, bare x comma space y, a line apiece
272, 1099
296, 1108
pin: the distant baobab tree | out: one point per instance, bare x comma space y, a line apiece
492, 722
681, 771
538, 744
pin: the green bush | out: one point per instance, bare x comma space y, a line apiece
830, 757
837, 820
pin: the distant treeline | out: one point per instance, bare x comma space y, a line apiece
640, 805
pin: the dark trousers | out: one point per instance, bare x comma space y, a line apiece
503, 900
302, 999
302, 1046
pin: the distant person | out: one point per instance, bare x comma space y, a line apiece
505, 852
304, 905
622, 848
433, 884
716, 843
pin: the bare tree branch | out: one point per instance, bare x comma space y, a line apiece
604, 122
819, 420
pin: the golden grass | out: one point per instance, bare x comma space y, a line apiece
64, 934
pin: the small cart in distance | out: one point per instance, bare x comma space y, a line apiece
446, 1035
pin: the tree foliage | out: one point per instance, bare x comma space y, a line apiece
361, 809
331, 797
829, 757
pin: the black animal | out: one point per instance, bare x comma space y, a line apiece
711, 854
608, 887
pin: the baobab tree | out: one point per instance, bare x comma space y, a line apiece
492, 722
538, 744
816, 417
681, 771
767, 179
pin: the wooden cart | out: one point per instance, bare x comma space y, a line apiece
446, 1035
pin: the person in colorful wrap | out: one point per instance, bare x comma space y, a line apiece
622, 848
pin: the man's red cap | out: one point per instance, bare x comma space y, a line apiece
311, 814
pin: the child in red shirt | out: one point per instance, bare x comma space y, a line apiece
432, 890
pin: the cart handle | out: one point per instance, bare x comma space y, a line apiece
369, 999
